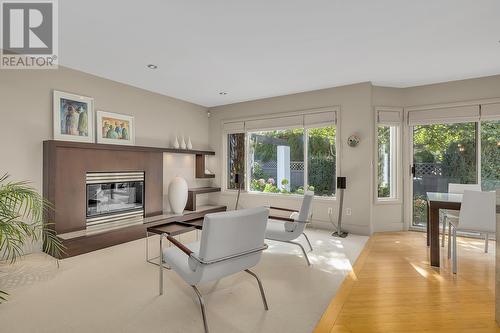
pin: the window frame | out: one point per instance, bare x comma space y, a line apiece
224, 158
396, 174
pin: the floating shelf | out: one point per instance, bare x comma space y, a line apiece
192, 192
200, 167
57, 143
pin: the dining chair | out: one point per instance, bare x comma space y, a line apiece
477, 214
449, 214
288, 229
231, 242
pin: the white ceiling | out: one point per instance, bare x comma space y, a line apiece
260, 48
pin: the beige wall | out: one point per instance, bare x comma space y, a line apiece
26, 118
355, 163
357, 104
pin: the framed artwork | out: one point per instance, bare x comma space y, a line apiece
73, 117
115, 128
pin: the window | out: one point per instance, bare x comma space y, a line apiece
276, 161
298, 155
387, 154
236, 160
386, 164
321, 167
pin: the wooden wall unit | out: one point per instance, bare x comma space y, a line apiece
65, 168
65, 165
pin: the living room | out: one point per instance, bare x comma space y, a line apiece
351, 135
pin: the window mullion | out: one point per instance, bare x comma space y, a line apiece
306, 160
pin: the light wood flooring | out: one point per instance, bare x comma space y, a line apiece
392, 288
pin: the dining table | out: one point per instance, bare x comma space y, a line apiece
435, 202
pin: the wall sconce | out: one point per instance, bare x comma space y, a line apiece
353, 141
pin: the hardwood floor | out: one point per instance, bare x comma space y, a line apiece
392, 288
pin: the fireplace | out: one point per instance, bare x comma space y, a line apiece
114, 197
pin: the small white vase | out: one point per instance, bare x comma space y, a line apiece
177, 194
183, 143
189, 144
176, 143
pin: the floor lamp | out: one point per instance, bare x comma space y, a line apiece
341, 185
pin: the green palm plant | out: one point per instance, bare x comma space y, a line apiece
22, 211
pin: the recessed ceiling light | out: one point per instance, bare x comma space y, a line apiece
151, 66
223, 93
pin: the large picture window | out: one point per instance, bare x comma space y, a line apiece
276, 161
287, 160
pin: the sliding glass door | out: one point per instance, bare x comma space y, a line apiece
442, 154
490, 155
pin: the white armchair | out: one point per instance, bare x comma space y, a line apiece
452, 215
477, 214
230, 242
286, 230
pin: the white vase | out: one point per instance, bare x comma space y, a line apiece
189, 144
176, 143
183, 143
177, 194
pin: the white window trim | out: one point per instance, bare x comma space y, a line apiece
397, 162
224, 160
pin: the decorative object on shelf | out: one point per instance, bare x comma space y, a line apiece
115, 128
183, 143
176, 143
208, 172
73, 117
178, 194
353, 140
189, 144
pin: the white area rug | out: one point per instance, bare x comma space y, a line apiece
115, 290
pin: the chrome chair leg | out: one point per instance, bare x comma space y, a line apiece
308, 242
486, 238
147, 245
202, 305
443, 232
454, 251
160, 265
262, 294
303, 251
449, 241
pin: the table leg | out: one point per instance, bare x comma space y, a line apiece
428, 224
433, 224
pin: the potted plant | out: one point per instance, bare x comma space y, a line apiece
22, 211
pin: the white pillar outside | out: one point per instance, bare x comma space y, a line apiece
283, 166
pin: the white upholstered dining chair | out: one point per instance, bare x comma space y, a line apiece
283, 229
452, 215
477, 214
231, 242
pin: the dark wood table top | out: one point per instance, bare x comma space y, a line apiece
171, 228
174, 228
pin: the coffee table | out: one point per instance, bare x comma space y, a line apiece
168, 229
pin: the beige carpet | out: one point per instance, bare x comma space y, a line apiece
115, 290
